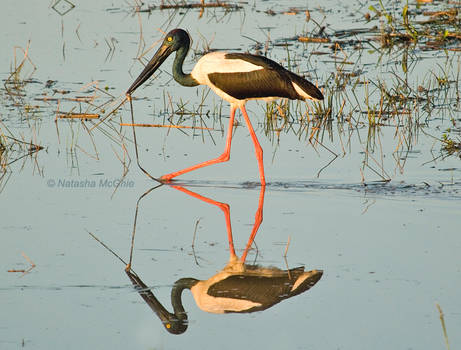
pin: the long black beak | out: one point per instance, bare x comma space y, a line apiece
169, 320
160, 56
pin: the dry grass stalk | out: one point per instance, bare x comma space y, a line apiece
165, 126
306, 39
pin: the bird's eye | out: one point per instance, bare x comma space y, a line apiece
170, 39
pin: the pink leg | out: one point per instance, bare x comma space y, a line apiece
258, 149
222, 158
226, 210
258, 220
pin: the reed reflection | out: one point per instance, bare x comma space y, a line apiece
238, 288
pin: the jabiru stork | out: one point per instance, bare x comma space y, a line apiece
237, 288
235, 77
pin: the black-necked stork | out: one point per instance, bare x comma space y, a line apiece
237, 78
238, 288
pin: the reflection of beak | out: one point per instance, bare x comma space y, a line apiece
166, 317
156, 61
169, 320
149, 298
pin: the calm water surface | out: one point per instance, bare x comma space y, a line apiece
389, 252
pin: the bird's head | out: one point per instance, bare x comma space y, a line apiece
175, 323
174, 40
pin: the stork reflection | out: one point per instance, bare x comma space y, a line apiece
238, 288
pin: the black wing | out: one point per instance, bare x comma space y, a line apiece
272, 80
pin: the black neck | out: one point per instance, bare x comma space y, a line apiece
176, 292
178, 74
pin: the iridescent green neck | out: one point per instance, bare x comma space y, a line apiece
178, 74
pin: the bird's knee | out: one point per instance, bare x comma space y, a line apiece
224, 157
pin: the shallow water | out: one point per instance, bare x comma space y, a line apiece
388, 250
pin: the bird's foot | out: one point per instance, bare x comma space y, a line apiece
166, 178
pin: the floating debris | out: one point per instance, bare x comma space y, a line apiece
184, 5
78, 116
143, 125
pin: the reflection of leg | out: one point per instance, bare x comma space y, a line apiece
223, 206
226, 210
222, 158
258, 149
258, 220
128, 266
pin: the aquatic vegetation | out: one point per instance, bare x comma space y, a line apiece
450, 145
433, 30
